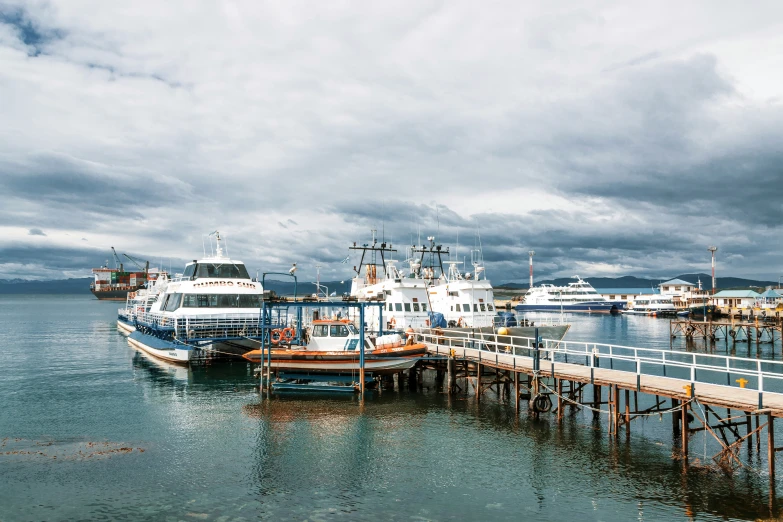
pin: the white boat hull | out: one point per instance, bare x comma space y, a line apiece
174, 355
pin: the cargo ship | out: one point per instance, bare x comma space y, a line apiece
114, 284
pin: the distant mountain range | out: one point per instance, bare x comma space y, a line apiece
723, 283
81, 285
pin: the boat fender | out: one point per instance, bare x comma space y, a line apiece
275, 336
392, 322
287, 334
732, 333
191, 333
461, 322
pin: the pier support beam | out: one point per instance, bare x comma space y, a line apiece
685, 433
478, 381
675, 419
596, 400
516, 391
628, 413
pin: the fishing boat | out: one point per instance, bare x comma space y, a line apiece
578, 296
427, 296
212, 309
653, 305
333, 346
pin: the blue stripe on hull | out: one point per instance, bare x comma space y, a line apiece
581, 307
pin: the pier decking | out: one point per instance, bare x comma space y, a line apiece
760, 330
559, 372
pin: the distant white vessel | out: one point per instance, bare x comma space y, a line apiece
655, 305
575, 297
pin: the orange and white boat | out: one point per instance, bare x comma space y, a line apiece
333, 346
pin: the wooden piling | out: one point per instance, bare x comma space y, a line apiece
616, 397
478, 381
627, 413
771, 448
516, 391
559, 399
596, 400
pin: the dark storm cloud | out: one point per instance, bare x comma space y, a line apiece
30, 32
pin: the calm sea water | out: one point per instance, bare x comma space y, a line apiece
92, 429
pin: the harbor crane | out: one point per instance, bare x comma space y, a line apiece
138, 262
118, 263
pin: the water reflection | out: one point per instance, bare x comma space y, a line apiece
341, 453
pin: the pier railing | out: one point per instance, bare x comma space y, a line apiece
722, 370
204, 327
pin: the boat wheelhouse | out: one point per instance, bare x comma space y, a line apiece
578, 296
405, 295
212, 308
465, 300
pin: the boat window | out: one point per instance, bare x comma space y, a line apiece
490, 307
320, 330
172, 303
423, 307
338, 330
190, 270
391, 307
230, 270
415, 307
407, 307
398, 307
483, 307
475, 307
466, 308
249, 301
351, 329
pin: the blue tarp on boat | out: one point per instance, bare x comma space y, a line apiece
507, 319
437, 320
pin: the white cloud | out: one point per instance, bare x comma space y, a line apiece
145, 125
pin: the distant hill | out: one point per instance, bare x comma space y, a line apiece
639, 282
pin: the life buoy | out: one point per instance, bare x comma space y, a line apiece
392, 322
288, 334
275, 336
460, 322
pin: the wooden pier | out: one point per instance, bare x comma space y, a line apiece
759, 331
553, 376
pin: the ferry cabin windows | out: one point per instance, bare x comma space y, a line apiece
465, 307
398, 307
415, 307
407, 307
221, 301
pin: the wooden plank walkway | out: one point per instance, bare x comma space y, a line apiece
731, 397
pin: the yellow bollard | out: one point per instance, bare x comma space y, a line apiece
742, 382
687, 389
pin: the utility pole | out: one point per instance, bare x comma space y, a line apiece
532, 253
712, 249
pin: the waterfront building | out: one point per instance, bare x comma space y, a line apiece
683, 293
735, 298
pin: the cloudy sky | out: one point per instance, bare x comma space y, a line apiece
614, 138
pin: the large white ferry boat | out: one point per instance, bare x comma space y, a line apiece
579, 296
213, 308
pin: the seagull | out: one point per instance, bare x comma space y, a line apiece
292, 269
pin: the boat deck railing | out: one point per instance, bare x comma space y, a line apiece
722, 370
213, 326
